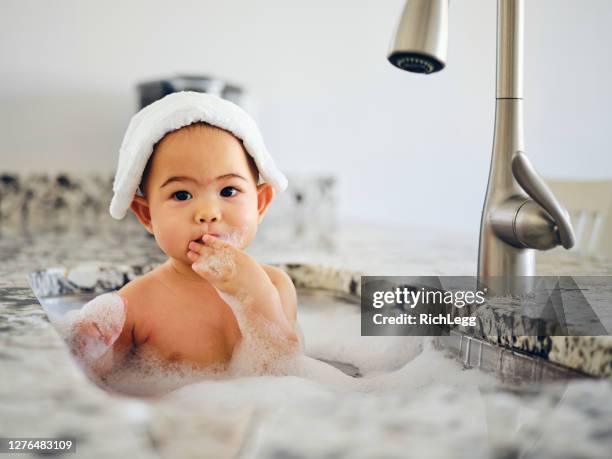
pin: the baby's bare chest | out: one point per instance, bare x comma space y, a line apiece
198, 330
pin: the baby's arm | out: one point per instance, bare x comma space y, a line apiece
101, 334
288, 298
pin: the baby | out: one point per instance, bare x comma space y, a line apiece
201, 200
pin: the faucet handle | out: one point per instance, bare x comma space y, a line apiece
536, 188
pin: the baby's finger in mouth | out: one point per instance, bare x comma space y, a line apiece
197, 251
195, 247
214, 242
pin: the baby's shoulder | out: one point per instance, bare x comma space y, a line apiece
275, 274
138, 286
140, 294
143, 290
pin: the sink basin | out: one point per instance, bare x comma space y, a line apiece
329, 308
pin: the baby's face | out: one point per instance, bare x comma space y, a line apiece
200, 182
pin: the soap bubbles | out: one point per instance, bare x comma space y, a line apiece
263, 350
236, 236
219, 264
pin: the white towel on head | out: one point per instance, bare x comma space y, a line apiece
173, 112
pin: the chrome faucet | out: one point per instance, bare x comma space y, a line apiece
520, 213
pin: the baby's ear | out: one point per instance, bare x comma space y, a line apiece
265, 195
140, 207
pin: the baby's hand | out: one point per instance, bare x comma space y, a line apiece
244, 285
226, 267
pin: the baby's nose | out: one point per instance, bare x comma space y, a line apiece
203, 216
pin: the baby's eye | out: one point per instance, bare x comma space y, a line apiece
181, 195
230, 190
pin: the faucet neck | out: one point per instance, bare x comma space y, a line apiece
510, 25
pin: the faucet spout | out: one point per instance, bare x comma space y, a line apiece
420, 40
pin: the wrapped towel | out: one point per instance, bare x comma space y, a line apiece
173, 112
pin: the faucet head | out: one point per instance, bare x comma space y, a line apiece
420, 41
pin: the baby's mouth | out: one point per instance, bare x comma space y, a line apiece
233, 238
199, 240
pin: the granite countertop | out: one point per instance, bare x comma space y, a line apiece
367, 247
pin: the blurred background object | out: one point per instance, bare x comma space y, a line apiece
305, 215
151, 91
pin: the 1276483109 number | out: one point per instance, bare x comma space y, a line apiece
48, 445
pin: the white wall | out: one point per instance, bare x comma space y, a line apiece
406, 148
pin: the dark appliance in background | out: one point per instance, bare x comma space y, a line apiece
150, 91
